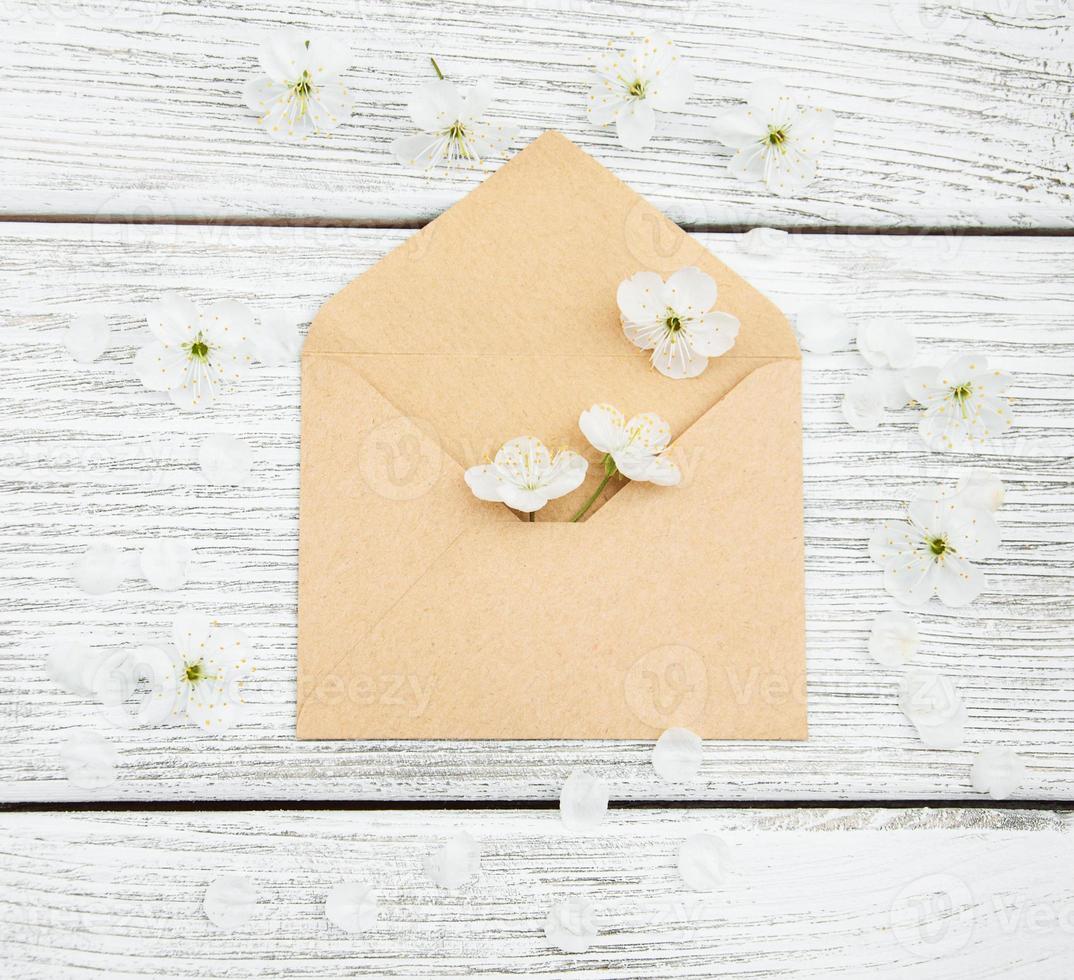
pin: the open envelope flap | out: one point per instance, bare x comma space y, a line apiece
499, 318
672, 607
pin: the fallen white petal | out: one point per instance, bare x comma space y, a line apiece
894, 639
998, 771
230, 901
583, 802
891, 387
455, 862
984, 491
89, 760
87, 337
764, 241
352, 906
822, 329
677, 755
276, 340
74, 667
101, 569
704, 862
225, 460
863, 404
886, 345
571, 926
934, 707
166, 563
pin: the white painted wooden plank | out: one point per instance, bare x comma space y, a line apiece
86, 453
950, 113
951, 895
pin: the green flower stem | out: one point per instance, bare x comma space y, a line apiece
436, 68
609, 471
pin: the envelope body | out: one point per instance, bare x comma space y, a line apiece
426, 613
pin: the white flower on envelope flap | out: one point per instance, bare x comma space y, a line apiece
453, 129
301, 93
777, 141
525, 475
195, 353
676, 320
631, 85
933, 549
633, 446
964, 402
210, 664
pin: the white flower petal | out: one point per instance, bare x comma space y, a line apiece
640, 298
690, 292
998, 771
161, 368
101, 568
74, 667
173, 319
934, 707
649, 431
230, 901
891, 387
894, 639
663, 472
714, 333
456, 862
892, 540
165, 563
973, 532
788, 172
227, 324
675, 357
193, 397
421, 151
771, 101
190, 633
983, 491
704, 862
572, 925
225, 460
583, 802
739, 128
326, 57
352, 907
276, 341
765, 241
813, 129
527, 501
911, 580
635, 125
285, 54
89, 760
823, 329
485, 482
331, 106
604, 427
566, 475
262, 93
435, 105
87, 337
476, 102
123, 675
863, 404
604, 102
748, 164
677, 756
671, 89
958, 582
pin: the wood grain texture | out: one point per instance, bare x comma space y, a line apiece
936, 895
950, 114
87, 453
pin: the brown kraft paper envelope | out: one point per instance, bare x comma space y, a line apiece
426, 613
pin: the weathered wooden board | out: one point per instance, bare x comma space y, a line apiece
950, 895
86, 452
950, 114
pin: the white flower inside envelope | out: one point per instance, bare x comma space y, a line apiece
427, 613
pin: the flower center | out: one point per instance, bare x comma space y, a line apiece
777, 136
199, 349
304, 86
962, 394
195, 672
456, 131
673, 323
938, 546
637, 90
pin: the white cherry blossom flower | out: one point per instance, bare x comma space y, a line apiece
301, 93
777, 141
453, 127
195, 353
887, 345
676, 320
932, 551
894, 639
863, 404
934, 707
997, 771
210, 664
963, 400
632, 85
634, 447
525, 475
